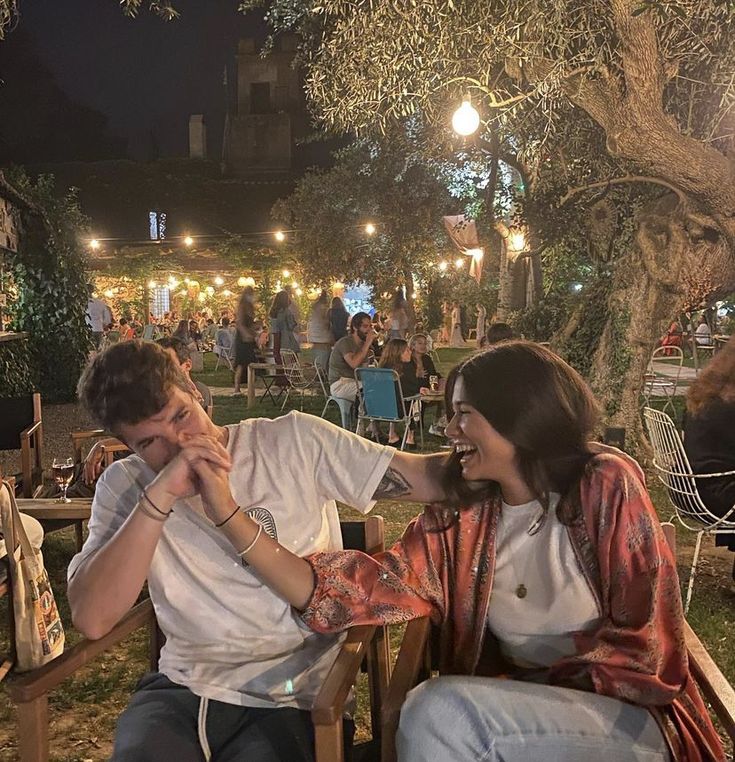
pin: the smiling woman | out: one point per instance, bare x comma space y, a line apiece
547, 551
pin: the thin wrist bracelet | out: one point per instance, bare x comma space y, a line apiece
155, 507
146, 512
222, 523
247, 550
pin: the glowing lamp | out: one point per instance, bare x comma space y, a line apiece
443, 266
151, 284
299, 292
517, 241
280, 236
227, 292
109, 293
188, 241
218, 281
286, 273
459, 263
94, 244
465, 120
370, 228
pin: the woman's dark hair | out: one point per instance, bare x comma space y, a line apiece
182, 329
540, 404
391, 356
716, 383
280, 302
323, 298
338, 304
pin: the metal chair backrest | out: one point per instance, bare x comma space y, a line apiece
674, 470
293, 370
669, 359
379, 393
149, 332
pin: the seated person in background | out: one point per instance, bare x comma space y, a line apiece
225, 337
194, 333
397, 356
126, 332
672, 337
348, 353
209, 334
548, 554
239, 670
709, 436
201, 393
423, 368
703, 334
496, 332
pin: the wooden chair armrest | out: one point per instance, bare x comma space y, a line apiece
78, 437
715, 688
411, 659
28, 686
328, 706
31, 430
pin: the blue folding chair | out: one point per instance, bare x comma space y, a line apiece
380, 402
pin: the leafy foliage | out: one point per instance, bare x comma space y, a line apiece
19, 377
379, 182
49, 276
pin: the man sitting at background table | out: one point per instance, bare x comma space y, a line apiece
239, 670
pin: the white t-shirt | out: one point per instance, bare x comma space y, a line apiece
98, 315
228, 637
537, 630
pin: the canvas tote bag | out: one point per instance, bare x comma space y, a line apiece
39, 634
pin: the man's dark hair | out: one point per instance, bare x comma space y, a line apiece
210, 321
183, 353
357, 318
499, 332
225, 322
128, 383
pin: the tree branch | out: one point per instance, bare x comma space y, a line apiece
625, 179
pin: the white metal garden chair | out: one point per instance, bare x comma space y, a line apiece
661, 381
674, 470
301, 378
224, 355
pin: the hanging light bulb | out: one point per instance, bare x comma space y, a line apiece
188, 241
151, 284
218, 281
280, 236
370, 228
299, 292
443, 265
459, 263
242, 281
465, 120
227, 292
209, 290
286, 273
94, 244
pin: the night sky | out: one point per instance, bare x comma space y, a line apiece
145, 75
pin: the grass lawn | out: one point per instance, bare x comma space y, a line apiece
84, 710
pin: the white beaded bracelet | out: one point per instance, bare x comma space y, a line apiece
247, 550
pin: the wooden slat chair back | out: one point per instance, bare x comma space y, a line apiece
22, 429
418, 660
366, 646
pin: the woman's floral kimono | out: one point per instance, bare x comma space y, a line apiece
636, 653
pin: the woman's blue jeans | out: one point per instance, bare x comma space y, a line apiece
481, 719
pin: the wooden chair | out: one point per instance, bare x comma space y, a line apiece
22, 429
366, 645
418, 659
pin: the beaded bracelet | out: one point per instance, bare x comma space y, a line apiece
222, 523
247, 550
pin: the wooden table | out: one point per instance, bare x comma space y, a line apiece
251, 376
53, 515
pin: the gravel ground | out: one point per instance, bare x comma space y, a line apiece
58, 423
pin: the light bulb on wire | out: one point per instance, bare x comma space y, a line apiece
465, 120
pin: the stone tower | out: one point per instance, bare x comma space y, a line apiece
267, 112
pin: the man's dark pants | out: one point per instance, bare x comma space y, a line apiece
161, 723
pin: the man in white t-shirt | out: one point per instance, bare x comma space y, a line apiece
239, 670
99, 316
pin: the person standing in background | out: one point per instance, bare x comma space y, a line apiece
481, 320
99, 316
246, 332
318, 331
338, 318
398, 316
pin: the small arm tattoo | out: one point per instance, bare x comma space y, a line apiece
393, 484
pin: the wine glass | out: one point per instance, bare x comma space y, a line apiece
63, 471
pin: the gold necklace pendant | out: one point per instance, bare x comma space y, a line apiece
521, 591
